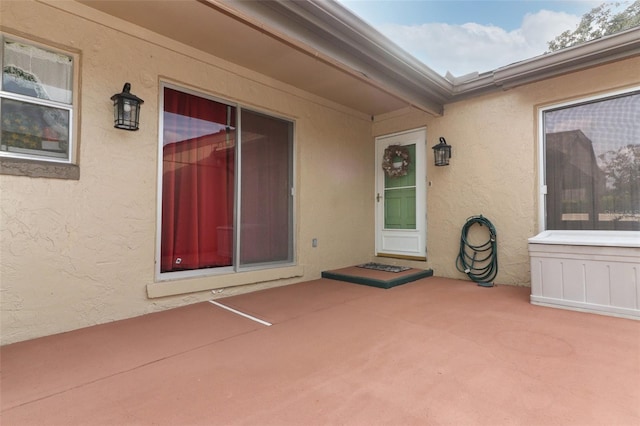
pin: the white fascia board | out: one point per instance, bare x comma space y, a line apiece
618, 46
330, 32
367, 40
607, 49
327, 30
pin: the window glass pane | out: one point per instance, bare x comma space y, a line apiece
592, 156
197, 183
32, 71
34, 130
410, 178
400, 195
266, 203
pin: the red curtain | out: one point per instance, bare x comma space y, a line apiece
198, 183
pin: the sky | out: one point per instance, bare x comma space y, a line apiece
466, 36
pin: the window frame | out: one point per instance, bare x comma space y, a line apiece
18, 163
289, 268
542, 187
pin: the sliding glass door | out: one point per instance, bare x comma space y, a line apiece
226, 186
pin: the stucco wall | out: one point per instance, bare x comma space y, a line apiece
81, 252
494, 166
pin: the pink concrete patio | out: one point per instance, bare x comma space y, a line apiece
435, 351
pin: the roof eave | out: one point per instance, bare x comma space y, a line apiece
339, 34
608, 49
596, 52
330, 31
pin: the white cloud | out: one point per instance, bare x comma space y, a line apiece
462, 49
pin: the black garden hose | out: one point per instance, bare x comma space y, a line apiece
479, 262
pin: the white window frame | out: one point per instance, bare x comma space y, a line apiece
71, 108
542, 188
251, 272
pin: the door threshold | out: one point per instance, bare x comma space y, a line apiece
402, 256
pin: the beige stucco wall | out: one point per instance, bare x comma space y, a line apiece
81, 252
494, 166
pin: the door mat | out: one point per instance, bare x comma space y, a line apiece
376, 278
382, 267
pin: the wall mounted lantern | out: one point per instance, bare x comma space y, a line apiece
442, 153
126, 109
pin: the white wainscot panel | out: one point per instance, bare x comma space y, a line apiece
594, 271
408, 242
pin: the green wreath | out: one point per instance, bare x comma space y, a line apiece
395, 161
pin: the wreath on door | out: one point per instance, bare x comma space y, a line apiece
395, 161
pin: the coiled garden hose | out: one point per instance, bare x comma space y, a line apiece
479, 262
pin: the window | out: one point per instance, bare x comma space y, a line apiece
226, 186
592, 163
36, 102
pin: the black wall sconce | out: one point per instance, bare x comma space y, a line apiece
126, 109
442, 153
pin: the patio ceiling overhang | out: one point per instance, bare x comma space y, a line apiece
321, 47
298, 43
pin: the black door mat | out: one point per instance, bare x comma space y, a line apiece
382, 267
376, 278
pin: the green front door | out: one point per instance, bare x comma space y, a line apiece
401, 195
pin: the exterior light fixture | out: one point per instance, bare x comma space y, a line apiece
126, 109
442, 153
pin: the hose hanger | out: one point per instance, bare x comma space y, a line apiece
478, 261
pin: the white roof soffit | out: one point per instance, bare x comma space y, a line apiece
250, 37
334, 31
330, 31
326, 33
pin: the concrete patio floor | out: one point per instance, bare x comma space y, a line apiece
433, 352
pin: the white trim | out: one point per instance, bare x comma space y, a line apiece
235, 268
71, 156
585, 307
542, 187
206, 283
542, 184
159, 180
592, 98
237, 196
401, 236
